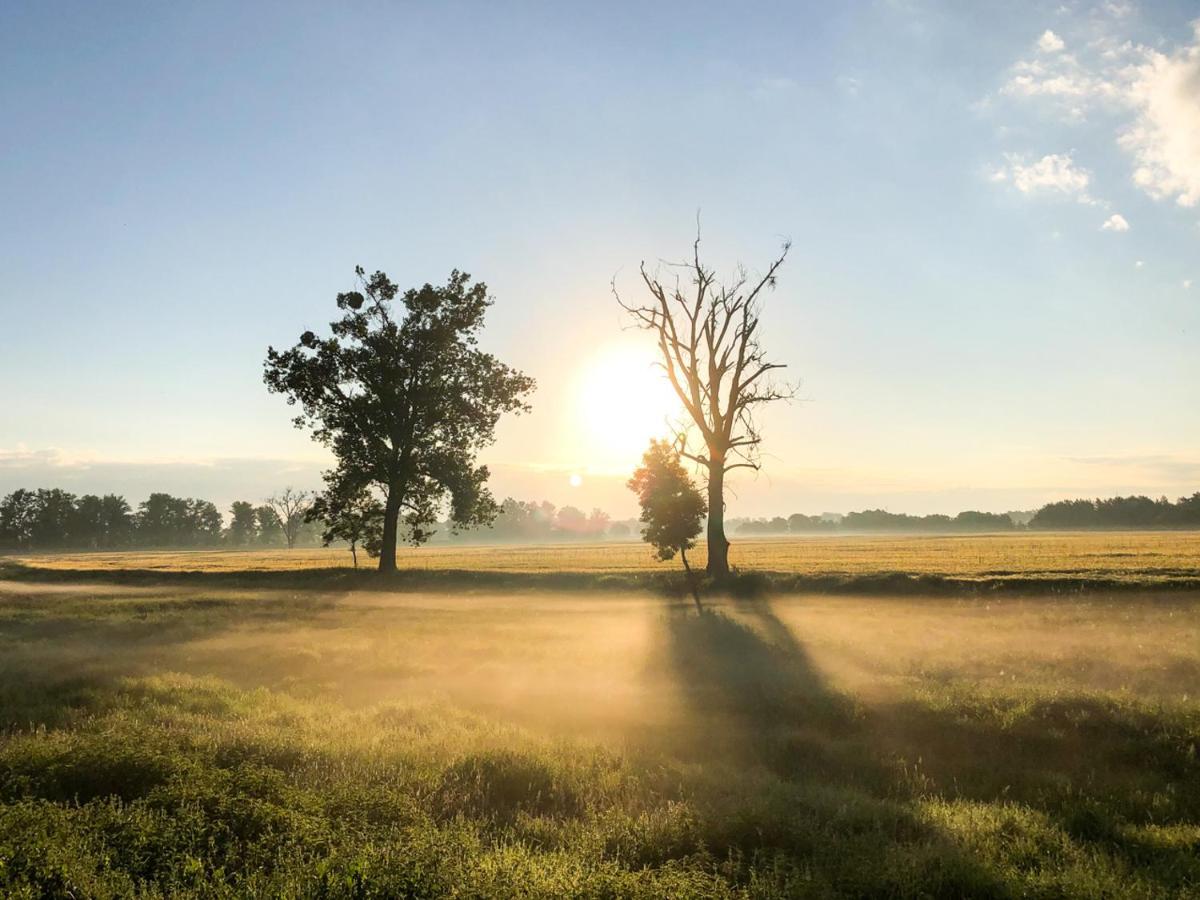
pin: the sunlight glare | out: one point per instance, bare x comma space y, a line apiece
623, 401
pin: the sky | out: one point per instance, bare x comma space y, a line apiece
992, 299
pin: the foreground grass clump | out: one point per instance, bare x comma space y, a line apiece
160, 742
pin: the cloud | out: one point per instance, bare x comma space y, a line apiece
1153, 91
1119, 9
1050, 42
1139, 264
1061, 78
1115, 222
1187, 284
1055, 173
1164, 138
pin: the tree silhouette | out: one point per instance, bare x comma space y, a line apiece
709, 342
18, 514
405, 402
355, 517
269, 527
290, 507
243, 524
671, 506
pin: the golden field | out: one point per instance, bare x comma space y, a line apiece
1152, 557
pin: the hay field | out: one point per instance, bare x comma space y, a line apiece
1132, 557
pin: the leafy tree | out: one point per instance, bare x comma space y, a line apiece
166, 521
597, 522
54, 519
101, 522
618, 530
18, 515
571, 520
270, 529
161, 520
116, 521
799, 523
355, 517
291, 508
672, 508
710, 347
88, 528
203, 523
404, 401
243, 524
973, 520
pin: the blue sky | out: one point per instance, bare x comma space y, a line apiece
183, 185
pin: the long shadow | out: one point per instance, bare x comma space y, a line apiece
1096, 768
755, 703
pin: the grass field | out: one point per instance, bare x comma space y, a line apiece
1130, 557
238, 737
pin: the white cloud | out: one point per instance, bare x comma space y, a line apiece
1060, 77
1055, 173
1119, 9
1187, 284
1164, 138
1115, 222
1138, 264
1050, 42
1154, 89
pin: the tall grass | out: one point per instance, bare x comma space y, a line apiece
192, 741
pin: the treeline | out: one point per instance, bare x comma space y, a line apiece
878, 520
54, 519
540, 522
1115, 513
1120, 512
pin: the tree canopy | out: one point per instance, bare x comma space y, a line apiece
405, 399
672, 507
355, 517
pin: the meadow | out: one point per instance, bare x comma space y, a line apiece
1137, 558
232, 724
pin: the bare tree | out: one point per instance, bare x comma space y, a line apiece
290, 506
709, 340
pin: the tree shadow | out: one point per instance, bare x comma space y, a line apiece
755, 703
1096, 769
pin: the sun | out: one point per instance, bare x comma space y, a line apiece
622, 401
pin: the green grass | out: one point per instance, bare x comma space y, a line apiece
247, 738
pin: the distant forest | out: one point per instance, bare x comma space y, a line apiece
1114, 513
55, 519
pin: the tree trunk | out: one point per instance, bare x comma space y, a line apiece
718, 547
354, 553
691, 580
391, 518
